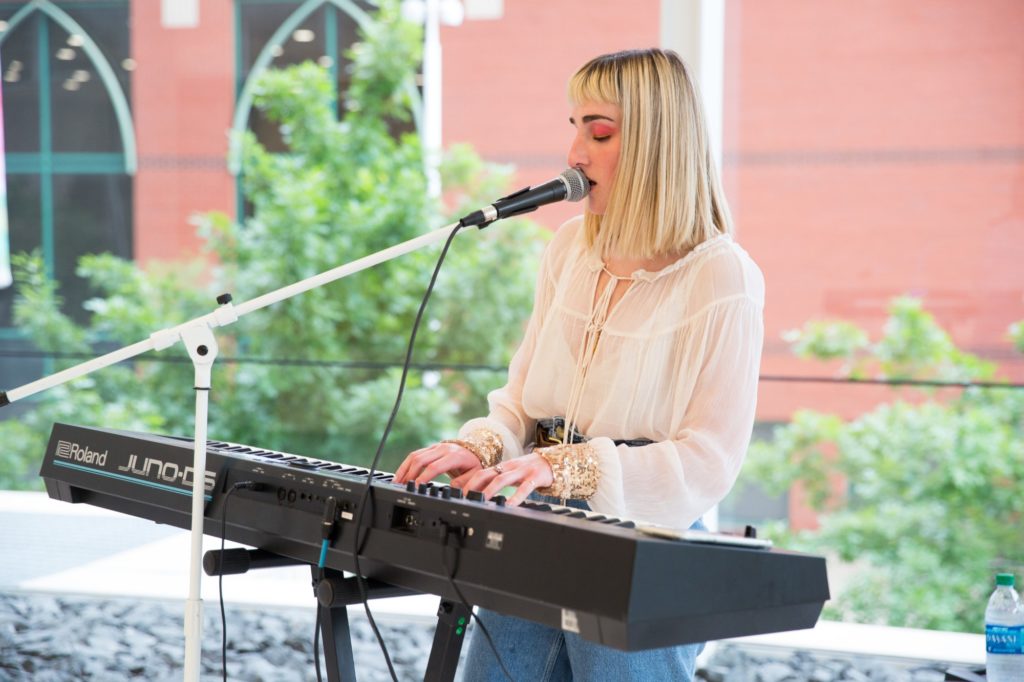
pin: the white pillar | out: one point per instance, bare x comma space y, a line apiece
696, 30
432, 96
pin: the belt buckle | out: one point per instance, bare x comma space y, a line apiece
553, 433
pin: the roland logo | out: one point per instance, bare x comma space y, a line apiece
78, 453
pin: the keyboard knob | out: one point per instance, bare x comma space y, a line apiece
423, 488
475, 496
456, 493
446, 493
434, 492
411, 486
498, 500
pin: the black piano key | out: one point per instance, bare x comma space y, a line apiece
578, 514
626, 524
597, 517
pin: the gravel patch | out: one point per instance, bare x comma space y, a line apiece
47, 638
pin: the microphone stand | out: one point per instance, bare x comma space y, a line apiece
197, 336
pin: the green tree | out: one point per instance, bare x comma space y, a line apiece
933, 502
346, 187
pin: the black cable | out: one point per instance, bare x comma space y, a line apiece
280, 362
220, 575
891, 382
469, 367
367, 498
316, 632
450, 573
326, 531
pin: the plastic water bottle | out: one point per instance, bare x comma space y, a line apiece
1004, 633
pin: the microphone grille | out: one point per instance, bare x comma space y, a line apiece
576, 184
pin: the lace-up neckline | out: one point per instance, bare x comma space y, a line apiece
599, 312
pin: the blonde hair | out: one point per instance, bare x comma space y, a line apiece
666, 197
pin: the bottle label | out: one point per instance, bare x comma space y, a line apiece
1004, 639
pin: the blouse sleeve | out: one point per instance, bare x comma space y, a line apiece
507, 417
674, 482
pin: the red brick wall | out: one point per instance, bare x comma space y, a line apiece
505, 80
873, 149
182, 99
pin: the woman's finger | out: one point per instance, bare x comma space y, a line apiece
507, 477
415, 463
454, 457
523, 490
479, 479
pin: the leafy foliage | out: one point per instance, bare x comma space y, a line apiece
346, 187
933, 502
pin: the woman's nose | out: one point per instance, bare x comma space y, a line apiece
577, 153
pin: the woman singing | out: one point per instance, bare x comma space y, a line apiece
633, 391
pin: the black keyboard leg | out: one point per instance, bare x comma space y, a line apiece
452, 621
337, 643
333, 593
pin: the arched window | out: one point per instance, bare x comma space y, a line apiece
286, 32
70, 144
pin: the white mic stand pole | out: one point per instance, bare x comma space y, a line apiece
197, 335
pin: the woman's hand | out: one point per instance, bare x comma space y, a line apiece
527, 473
430, 462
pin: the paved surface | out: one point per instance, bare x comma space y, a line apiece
56, 547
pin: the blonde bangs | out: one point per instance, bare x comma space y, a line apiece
592, 83
666, 197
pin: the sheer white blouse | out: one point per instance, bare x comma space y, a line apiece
676, 362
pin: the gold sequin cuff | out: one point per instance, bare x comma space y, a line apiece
483, 443
575, 470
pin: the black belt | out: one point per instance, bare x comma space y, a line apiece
552, 432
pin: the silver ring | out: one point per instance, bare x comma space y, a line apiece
498, 468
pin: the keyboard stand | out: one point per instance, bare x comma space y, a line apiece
334, 594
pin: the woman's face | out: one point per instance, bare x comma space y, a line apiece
595, 148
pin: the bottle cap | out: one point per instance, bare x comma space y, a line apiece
1004, 579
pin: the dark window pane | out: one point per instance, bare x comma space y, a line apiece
308, 42
18, 369
18, 60
24, 229
305, 43
348, 33
92, 214
81, 109
258, 23
109, 27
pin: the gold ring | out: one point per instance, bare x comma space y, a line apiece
498, 468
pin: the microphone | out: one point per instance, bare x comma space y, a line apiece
571, 185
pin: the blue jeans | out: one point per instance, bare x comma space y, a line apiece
537, 653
